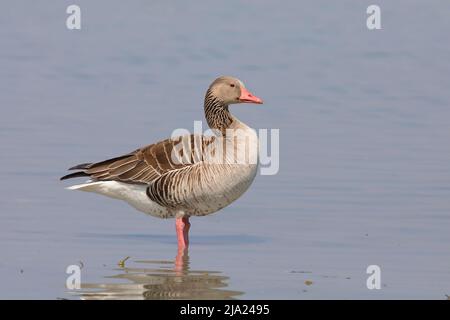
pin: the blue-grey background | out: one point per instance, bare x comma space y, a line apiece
364, 123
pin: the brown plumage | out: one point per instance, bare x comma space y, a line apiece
143, 165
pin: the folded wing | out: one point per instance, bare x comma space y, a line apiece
145, 165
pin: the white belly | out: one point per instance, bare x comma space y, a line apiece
134, 194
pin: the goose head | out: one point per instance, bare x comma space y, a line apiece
230, 90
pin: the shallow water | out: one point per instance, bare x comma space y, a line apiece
364, 147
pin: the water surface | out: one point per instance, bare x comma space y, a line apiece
364, 147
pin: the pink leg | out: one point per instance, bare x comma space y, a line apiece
182, 225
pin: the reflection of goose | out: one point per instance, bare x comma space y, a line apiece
154, 283
174, 177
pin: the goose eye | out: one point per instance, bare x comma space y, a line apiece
232, 85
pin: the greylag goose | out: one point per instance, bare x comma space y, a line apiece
189, 175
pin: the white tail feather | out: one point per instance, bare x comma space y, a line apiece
89, 186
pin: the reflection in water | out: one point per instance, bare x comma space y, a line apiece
157, 280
